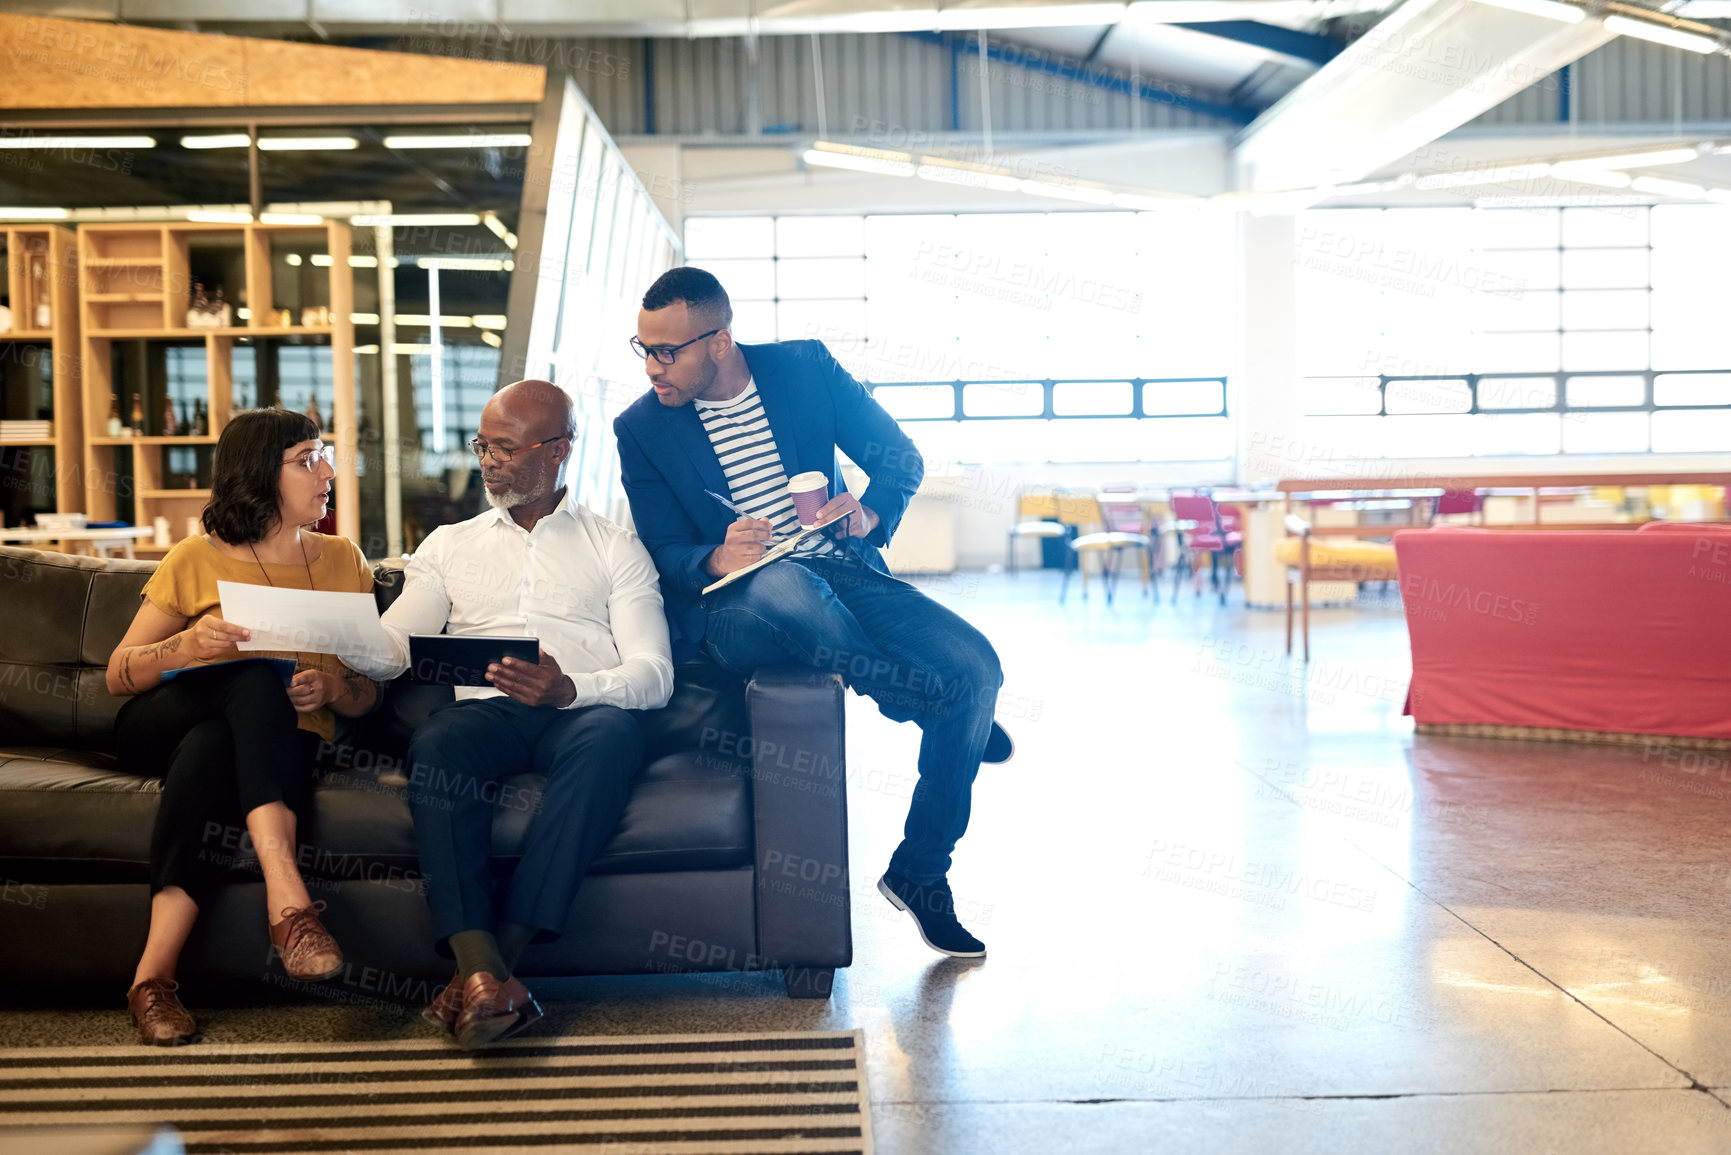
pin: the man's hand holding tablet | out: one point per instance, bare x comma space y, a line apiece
532, 684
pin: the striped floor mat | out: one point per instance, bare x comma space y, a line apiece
778, 1094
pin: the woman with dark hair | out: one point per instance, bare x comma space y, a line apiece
233, 745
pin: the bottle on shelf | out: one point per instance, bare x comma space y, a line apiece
116, 428
200, 419
220, 312
198, 313
137, 425
312, 410
169, 420
39, 271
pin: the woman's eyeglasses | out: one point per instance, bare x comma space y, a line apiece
309, 460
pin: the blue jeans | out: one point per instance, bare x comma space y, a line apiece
459, 757
914, 658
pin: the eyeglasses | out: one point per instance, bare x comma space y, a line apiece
667, 354
309, 460
482, 449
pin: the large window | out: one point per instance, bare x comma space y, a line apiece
1488, 332
1004, 337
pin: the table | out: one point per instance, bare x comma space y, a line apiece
96, 540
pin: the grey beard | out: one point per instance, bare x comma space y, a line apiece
512, 498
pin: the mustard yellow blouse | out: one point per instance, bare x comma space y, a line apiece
184, 586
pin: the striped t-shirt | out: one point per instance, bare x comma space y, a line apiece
739, 431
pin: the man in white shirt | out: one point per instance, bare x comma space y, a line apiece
534, 564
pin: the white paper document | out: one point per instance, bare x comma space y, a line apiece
316, 621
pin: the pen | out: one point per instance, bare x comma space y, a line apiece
726, 502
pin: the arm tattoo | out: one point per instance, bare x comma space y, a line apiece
357, 688
144, 654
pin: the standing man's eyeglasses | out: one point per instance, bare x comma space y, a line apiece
667, 354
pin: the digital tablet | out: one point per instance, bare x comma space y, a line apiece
462, 659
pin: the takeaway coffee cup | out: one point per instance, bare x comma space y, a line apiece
810, 492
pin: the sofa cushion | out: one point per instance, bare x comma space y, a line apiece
70, 816
64, 615
687, 811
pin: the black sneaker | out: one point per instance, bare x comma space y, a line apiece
999, 747
934, 911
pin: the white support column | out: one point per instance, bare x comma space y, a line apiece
1265, 393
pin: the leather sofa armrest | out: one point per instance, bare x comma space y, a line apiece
799, 802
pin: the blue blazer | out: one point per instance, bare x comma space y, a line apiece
814, 407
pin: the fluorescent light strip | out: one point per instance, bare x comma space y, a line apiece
1549, 9
489, 320
967, 177
398, 220
290, 219
467, 140
474, 264
1138, 202
1658, 156
1366, 187
1585, 200
272, 143
307, 143
1068, 192
212, 217
215, 140
77, 142
884, 165
1661, 34
363, 318
1582, 173
492, 221
425, 321
1478, 176
492, 338
26, 213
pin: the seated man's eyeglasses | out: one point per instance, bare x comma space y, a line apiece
502, 456
667, 354
309, 460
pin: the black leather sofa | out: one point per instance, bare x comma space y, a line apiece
732, 854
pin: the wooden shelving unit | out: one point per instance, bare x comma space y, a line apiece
137, 285
41, 267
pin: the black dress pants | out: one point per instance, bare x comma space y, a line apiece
225, 742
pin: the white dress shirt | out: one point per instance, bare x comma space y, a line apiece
581, 584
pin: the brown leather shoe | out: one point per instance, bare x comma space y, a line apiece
445, 1008
156, 1011
308, 951
493, 1011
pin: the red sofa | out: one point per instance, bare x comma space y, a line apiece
1615, 631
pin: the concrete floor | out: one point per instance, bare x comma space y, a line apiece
1233, 905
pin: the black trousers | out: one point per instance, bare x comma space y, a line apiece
460, 754
224, 742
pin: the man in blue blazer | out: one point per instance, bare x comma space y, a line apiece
706, 456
